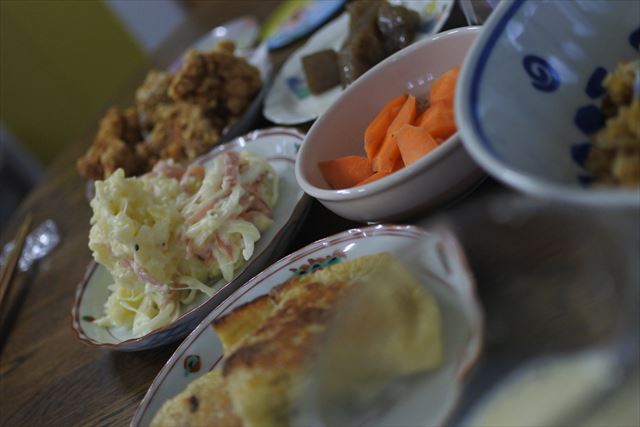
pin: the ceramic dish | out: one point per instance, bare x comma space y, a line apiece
443, 174
289, 100
279, 146
529, 94
441, 267
294, 20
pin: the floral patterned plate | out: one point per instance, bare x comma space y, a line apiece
280, 147
442, 268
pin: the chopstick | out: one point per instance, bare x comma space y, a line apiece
9, 269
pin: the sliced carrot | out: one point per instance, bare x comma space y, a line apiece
413, 143
376, 176
377, 129
438, 120
444, 87
385, 159
399, 164
345, 172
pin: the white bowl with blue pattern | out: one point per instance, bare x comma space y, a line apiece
530, 91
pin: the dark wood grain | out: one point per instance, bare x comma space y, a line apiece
47, 377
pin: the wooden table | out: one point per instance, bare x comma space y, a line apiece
47, 377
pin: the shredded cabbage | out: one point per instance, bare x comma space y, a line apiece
165, 237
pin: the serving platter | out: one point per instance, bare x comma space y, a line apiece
289, 100
279, 146
439, 264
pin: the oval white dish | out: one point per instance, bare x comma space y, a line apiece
289, 100
441, 267
280, 147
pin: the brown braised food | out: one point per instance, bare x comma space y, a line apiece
377, 29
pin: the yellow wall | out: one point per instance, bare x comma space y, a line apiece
60, 61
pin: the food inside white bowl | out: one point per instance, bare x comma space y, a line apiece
531, 94
441, 175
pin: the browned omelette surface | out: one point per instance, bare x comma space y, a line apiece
268, 342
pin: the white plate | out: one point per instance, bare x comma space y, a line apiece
280, 147
442, 268
289, 100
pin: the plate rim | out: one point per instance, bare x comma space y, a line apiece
474, 344
297, 211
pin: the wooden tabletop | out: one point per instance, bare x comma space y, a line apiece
47, 377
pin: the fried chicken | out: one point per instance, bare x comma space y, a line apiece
151, 95
177, 116
182, 132
114, 146
217, 81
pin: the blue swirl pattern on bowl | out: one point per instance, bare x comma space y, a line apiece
544, 77
530, 92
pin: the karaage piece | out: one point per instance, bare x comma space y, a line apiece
182, 132
217, 81
114, 146
151, 95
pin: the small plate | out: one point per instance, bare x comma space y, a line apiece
278, 145
442, 268
289, 100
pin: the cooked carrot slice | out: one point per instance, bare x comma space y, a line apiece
438, 120
377, 129
444, 88
385, 159
413, 143
376, 176
345, 172
399, 164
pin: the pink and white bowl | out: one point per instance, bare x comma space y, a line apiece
440, 176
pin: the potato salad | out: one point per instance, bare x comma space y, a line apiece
172, 233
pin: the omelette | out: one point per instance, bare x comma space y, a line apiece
270, 343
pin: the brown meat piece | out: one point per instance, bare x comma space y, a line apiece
398, 26
363, 48
321, 70
216, 81
114, 146
182, 132
151, 95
